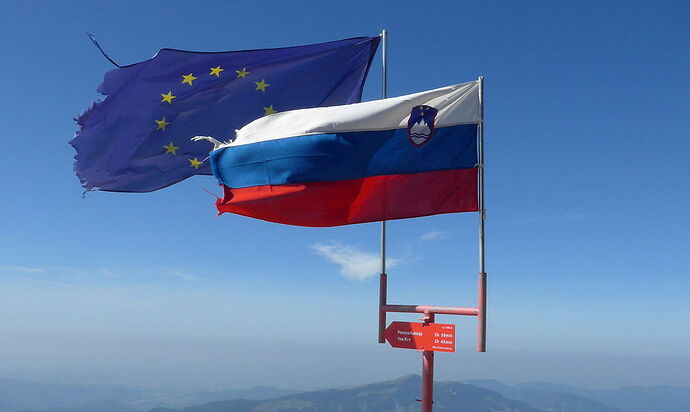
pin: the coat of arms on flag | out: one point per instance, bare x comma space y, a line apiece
420, 127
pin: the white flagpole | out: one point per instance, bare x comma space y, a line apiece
384, 94
383, 282
481, 335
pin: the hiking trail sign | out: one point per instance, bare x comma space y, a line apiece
435, 337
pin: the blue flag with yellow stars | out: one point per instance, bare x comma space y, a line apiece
138, 138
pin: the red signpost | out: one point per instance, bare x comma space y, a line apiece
422, 336
435, 337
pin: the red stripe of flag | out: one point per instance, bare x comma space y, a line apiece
368, 199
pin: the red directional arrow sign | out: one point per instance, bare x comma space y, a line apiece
431, 336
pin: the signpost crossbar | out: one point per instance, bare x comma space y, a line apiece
440, 310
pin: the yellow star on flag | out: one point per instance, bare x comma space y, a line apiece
215, 71
162, 124
195, 163
242, 73
171, 148
262, 85
269, 110
168, 97
188, 79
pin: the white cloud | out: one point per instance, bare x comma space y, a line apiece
108, 273
354, 263
434, 235
183, 275
24, 269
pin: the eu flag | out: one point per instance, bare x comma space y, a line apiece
138, 138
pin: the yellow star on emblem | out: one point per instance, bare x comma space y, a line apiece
195, 163
215, 71
188, 79
269, 110
162, 124
171, 148
242, 73
168, 97
262, 85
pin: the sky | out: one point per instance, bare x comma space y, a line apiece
587, 190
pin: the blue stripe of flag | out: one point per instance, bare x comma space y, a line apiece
344, 156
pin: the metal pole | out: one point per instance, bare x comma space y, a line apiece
383, 292
481, 301
383, 282
384, 41
428, 374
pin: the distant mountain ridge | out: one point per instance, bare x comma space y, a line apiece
397, 395
255, 393
628, 399
93, 406
23, 396
18, 395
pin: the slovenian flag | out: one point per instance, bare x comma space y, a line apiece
395, 158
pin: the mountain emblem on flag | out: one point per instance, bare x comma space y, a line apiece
420, 127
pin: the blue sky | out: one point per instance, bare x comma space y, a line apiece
587, 145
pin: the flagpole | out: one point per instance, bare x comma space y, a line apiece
481, 303
383, 279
